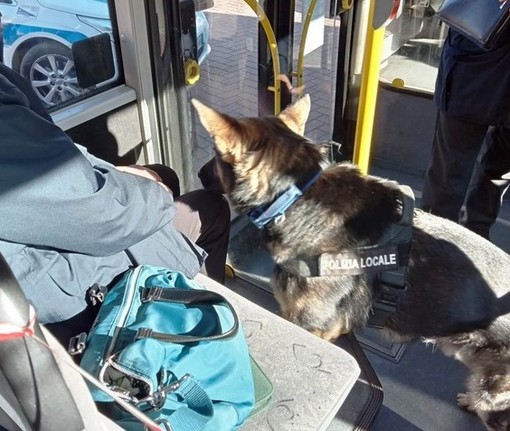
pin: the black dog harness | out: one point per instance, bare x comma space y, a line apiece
386, 262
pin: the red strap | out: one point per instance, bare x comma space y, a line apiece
8, 331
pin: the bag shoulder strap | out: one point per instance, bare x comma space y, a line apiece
192, 297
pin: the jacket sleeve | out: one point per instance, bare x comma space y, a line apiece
52, 196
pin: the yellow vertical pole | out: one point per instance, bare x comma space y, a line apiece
302, 42
273, 48
368, 92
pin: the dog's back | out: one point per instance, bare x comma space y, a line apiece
459, 282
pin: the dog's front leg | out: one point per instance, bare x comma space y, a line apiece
306, 304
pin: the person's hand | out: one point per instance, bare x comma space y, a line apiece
145, 172
141, 171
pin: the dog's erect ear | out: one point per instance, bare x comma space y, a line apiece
221, 127
294, 116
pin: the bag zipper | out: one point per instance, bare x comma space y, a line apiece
131, 284
124, 393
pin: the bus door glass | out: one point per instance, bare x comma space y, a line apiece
236, 74
67, 50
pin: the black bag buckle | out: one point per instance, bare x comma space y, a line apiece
97, 294
77, 344
152, 293
380, 313
385, 305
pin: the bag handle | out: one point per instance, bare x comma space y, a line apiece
187, 297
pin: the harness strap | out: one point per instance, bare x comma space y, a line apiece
360, 261
402, 234
391, 285
385, 304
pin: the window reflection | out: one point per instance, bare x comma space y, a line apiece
412, 46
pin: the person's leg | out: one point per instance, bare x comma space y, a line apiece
168, 177
204, 217
454, 150
490, 180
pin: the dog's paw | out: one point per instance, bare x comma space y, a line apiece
464, 401
329, 335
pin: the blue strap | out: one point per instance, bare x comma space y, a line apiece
262, 216
265, 214
199, 410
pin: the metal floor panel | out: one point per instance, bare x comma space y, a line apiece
420, 392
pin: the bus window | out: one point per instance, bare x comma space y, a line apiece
1, 40
38, 40
412, 46
58, 45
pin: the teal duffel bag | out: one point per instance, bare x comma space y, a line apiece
172, 349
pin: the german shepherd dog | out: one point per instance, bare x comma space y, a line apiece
456, 289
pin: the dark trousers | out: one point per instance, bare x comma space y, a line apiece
454, 151
489, 182
204, 217
466, 160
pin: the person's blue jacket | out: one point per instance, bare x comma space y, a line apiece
69, 220
473, 84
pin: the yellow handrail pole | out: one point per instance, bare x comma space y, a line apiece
302, 41
368, 92
273, 47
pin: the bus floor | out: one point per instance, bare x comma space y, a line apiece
419, 384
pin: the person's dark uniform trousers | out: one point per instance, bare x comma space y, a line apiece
473, 99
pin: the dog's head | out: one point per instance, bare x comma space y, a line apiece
258, 157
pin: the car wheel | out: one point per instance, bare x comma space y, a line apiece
49, 67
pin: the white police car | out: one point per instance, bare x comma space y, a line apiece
38, 35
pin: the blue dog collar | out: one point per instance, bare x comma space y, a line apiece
264, 214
